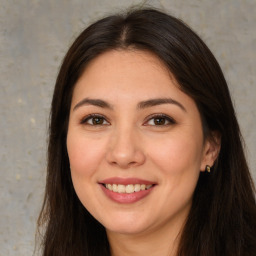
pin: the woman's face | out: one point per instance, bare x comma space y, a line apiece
135, 143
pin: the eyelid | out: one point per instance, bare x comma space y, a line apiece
160, 115
88, 117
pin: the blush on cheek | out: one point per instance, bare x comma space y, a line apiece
178, 158
83, 156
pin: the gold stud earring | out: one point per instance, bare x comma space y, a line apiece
208, 168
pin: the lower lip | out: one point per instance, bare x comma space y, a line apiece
126, 198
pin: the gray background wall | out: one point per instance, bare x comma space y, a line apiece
34, 36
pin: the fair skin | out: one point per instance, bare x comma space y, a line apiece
131, 124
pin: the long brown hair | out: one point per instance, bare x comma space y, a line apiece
222, 220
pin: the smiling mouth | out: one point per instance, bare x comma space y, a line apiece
127, 189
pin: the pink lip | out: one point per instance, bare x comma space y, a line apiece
125, 198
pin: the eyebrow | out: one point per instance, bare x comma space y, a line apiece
160, 101
94, 102
141, 105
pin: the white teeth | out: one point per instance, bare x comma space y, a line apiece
114, 187
129, 189
119, 188
137, 187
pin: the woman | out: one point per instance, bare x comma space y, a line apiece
145, 153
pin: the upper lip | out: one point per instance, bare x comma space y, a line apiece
126, 181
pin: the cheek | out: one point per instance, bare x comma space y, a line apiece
84, 154
178, 160
177, 155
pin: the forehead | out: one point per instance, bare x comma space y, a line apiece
125, 70
122, 58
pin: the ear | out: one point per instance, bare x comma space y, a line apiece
211, 150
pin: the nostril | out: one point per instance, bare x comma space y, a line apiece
132, 163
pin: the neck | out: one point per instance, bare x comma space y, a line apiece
164, 241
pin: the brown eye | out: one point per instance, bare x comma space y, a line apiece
95, 120
160, 120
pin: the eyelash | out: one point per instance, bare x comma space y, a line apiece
151, 117
160, 116
91, 116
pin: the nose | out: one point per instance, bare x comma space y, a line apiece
125, 149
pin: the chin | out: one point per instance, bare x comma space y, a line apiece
130, 229
128, 226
